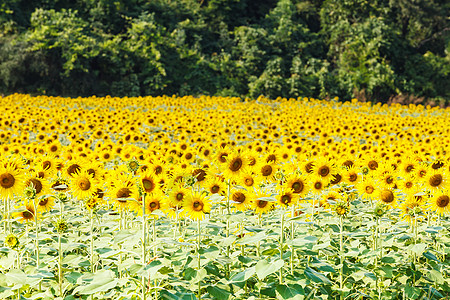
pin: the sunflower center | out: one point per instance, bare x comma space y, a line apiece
436, 180
223, 157
7, 180
84, 184
197, 205
389, 180
43, 202
37, 184
262, 203
188, 156
199, 174
387, 196
348, 163
158, 170
318, 185
409, 168
91, 172
148, 185
46, 165
154, 205
353, 177
409, 184
373, 165
297, 186
236, 164
249, 181
123, 193
179, 196
27, 215
272, 158
422, 173
437, 165
324, 171
337, 179
286, 199
442, 201
369, 189
215, 189
239, 197
252, 161
309, 167
72, 169
266, 170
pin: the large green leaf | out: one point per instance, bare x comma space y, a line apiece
290, 291
316, 276
218, 293
264, 268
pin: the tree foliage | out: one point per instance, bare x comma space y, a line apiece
287, 48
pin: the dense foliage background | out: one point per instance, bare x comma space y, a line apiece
377, 50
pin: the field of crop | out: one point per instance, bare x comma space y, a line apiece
218, 198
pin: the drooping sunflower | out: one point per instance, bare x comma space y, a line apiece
83, 185
26, 214
123, 190
11, 180
235, 166
41, 186
440, 202
196, 206
45, 204
326, 198
241, 199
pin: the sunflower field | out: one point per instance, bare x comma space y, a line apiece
222, 198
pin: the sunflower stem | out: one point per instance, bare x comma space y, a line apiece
60, 272
37, 238
281, 242
291, 260
228, 225
144, 238
155, 249
198, 256
91, 229
341, 255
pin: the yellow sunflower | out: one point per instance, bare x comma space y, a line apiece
26, 214
196, 206
241, 199
388, 197
261, 204
82, 185
297, 183
235, 166
440, 202
11, 181
287, 198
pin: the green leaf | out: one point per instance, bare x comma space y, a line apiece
316, 276
263, 268
102, 281
412, 292
72, 277
436, 276
418, 249
290, 291
243, 276
252, 239
388, 260
166, 295
218, 293
431, 256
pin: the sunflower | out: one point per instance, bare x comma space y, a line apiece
266, 171
156, 201
26, 214
440, 202
386, 177
261, 204
324, 169
367, 188
351, 176
235, 165
317, 185
421, 171
148, 182
177, 195
123, 190
82, 185
215, 185
11, 180
387, 196
45, 204
287, 198
327, 197
436, 180
196, 206
407, 183
241, 199
95, 169
408, 166
297, 183
249, 180
72, 167
12, 241
410, 209
41, 186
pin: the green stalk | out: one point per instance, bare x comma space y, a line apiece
155, 249
37, 237
198, 256
281, 243
60, 272
144, 238
228, 226
291, 260
92, 239
341, 255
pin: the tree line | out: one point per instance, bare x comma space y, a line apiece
374, 50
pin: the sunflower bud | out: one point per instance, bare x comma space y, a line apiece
30, 192
11, 241
379, 210
61, 226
